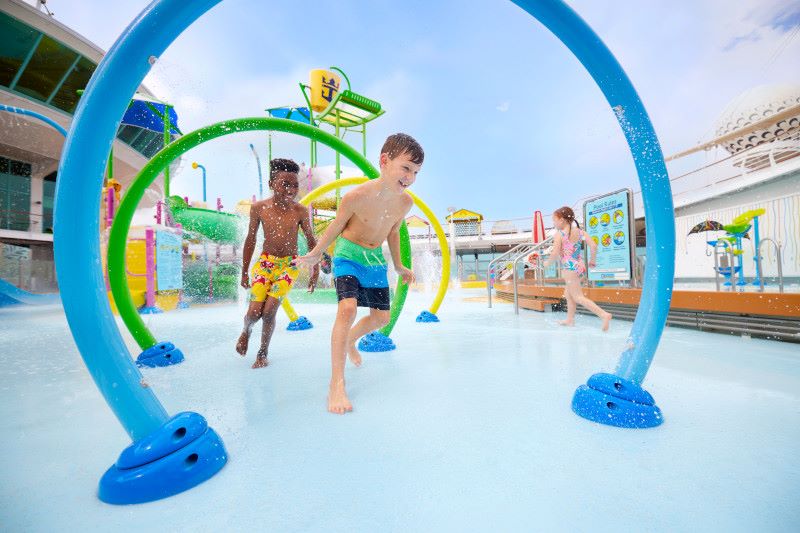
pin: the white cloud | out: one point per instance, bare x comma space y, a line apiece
504, 107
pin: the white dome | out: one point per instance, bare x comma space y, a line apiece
754, 105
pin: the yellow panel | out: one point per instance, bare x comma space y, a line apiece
324, 87
167, 300
464, 214
138, 300
136, 263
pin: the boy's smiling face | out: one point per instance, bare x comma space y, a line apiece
284, 186
399, 172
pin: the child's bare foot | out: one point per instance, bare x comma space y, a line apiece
261, 359
241, 344
606, 321
338, 403
353, 354
566, 323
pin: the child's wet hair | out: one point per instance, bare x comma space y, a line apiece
567, 214
282, 165
401, 143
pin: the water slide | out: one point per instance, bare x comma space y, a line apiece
215, 225
12, 295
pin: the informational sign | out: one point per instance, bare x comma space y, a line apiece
609, 223
169, 261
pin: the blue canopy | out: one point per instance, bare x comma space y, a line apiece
300, 114
149, 115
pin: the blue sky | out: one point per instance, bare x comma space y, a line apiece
509, 120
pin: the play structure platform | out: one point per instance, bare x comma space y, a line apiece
762, 314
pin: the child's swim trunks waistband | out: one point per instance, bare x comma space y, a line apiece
368, 257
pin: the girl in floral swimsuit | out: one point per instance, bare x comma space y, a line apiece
570, 252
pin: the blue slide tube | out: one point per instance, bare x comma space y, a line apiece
649, 160
77, 230
34, 114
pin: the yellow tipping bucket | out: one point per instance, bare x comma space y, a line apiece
324, 86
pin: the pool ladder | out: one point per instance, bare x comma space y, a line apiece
779, 258
726, 251
514, 255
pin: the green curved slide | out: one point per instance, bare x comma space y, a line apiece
217, 226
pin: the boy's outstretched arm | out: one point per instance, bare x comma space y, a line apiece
249, 246
305, 225
393, 240
333, 230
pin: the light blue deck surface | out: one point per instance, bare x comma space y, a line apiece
467, 426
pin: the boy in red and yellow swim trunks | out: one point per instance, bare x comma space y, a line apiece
273, 274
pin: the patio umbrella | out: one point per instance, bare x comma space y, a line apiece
707, 225
538, 227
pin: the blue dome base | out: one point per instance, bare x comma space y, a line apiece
376, 342
614, 401
179, 455
151, 310
427, 316
162, 354
300, 324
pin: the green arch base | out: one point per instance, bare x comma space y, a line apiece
119, 230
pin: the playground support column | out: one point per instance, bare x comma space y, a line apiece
269, 159
150, 306
338, 163
167, 129
757, 280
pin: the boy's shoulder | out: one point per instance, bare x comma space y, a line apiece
359, 193
260, 204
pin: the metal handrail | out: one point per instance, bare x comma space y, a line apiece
532, 248
639, 265
523, 253
489, 283
761, 269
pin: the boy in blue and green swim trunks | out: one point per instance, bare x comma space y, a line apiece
361, 273
368, 215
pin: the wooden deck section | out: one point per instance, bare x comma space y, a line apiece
767, 304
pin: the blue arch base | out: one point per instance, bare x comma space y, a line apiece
614, 401
162, 354
179, 455
300, 324
427, 316
376, 342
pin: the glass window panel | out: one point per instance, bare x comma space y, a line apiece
143, 140
47, 66
16, 40
67, 96
126, 134
153, 146
48, 198
15, 200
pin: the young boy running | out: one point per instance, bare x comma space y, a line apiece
368, 215
275, 270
